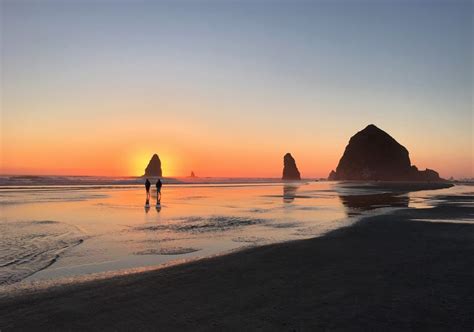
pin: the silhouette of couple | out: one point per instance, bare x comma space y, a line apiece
159, 184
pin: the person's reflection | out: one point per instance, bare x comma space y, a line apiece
355, 204
158, 207
147, 204
289, 193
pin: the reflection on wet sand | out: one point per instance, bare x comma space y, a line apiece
289, 193
355, 204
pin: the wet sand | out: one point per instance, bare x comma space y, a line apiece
387, 272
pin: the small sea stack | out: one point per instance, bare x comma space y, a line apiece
290, 171
374, 155
154, 167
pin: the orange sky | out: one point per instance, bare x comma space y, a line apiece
116, 149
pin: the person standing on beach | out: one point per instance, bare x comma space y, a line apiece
159, 184
147, 187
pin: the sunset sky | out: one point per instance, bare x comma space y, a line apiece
226, 88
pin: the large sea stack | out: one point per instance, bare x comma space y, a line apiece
154, 167
372, 154
290, 171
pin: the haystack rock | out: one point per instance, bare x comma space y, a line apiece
290, 171
154, 167
372, 154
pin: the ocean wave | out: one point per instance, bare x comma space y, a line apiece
43, 180
30, 246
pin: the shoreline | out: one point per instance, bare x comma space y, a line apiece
385, 271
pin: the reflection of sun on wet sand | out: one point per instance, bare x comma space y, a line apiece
383, 272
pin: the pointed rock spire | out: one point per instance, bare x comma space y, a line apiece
290, 171
154, 167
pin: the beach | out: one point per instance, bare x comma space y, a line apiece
236, 165
410, 269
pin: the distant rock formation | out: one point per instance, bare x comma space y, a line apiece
154, 167
192, 175
290, 171
372, 154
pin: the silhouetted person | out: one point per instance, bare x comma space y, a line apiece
147, 187
159, 184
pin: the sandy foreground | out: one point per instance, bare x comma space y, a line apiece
387, 272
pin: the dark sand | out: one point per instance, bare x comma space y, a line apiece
384, 273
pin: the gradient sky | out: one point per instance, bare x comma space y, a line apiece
226, 88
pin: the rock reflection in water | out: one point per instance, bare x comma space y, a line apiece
356, 203
289, 193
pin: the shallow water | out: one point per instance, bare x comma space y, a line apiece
52, 232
